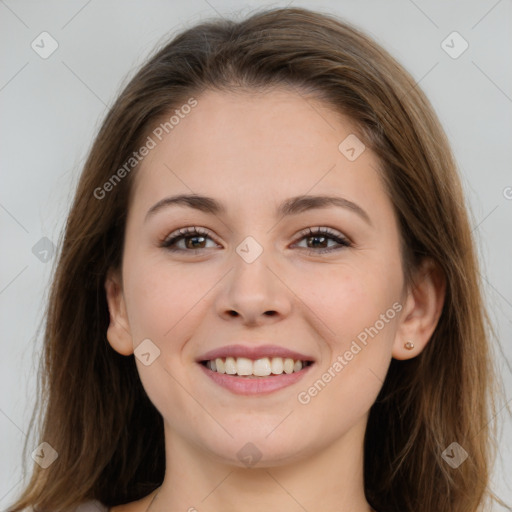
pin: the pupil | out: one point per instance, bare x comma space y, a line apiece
191, 244
316, 238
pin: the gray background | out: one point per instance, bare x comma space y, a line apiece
51, 109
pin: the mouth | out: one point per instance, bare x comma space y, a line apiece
255, 377
255, 369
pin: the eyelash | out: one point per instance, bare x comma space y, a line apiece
191, 232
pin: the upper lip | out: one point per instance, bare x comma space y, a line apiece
253, 352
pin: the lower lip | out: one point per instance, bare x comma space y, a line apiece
255, 386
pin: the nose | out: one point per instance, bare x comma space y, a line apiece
255, 293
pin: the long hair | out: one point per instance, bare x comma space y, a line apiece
94, 411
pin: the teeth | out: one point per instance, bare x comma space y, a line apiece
261, 367
288, 365
243, 366
230, 366
220, 366
277, 365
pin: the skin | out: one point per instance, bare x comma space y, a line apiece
252, 150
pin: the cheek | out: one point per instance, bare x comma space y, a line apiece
160, 293
164, 305
348, 382
358, 311
347, 299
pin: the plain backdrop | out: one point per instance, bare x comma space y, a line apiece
51, 108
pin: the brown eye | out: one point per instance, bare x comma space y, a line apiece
317, 240
194, 239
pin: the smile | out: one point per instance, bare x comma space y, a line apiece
287, 373
264, 367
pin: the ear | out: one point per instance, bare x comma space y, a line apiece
118, 332
423, 306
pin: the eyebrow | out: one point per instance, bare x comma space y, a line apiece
291, 206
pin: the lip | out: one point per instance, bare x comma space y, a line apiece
255, 386
253, 352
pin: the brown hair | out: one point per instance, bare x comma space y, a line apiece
96, 414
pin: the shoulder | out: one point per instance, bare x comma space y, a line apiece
86, 506
92, 506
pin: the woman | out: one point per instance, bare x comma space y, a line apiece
267, 294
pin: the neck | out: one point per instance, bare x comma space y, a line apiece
331, 479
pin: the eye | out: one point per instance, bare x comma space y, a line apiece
322, 235
192, 237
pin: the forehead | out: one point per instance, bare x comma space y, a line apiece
257, 145
263, 125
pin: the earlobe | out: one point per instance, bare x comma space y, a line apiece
423, 307
118, 332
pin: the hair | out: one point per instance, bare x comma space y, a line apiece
93, 409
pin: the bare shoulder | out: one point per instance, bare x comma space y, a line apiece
91, 506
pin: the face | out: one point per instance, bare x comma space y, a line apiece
322, 281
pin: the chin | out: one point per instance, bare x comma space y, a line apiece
259, 450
